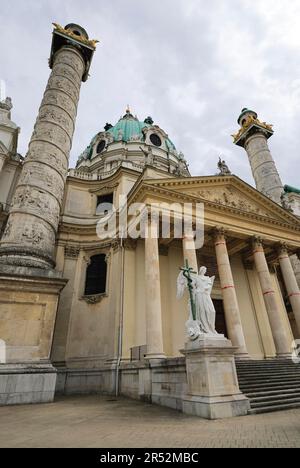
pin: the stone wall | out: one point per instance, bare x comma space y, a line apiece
163, 383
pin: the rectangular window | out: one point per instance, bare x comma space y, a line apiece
104, 203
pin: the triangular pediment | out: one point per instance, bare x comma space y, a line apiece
228, 192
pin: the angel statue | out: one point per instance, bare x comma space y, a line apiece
201, 308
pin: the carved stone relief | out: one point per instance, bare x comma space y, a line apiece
230, 197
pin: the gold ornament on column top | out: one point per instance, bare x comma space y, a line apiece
89, 42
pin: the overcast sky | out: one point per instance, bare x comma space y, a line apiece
190, 64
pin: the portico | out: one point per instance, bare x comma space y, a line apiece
241, 248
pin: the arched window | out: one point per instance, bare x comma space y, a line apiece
96, 276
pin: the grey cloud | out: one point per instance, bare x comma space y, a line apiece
190, 64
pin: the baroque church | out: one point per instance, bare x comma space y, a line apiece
79, 314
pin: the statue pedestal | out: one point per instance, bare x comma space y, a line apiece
213, 389
28, 305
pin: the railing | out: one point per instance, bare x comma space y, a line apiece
104, 175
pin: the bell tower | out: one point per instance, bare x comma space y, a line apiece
253, 137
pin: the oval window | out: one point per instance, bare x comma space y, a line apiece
155, 140
101, 146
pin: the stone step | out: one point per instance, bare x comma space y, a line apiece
277, 402
270, 378
267, 393
266, 388
288, 362
271, 409
270, 398
272, 368
269, 385
261, 374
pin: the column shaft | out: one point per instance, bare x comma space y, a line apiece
290, 283
282, 343
154, 330
231, 307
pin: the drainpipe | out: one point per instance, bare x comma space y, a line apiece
121, 319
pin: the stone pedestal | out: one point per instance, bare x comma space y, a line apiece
28, 306
213, 389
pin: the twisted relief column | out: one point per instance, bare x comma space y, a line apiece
290, 281
30, 234
231, 307
281, 340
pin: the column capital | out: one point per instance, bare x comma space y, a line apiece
282, 248
219, 233
257, 242
129, 243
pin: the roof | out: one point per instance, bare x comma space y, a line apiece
290, 189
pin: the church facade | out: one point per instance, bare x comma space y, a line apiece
82, 314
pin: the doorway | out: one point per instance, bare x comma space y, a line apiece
220, 317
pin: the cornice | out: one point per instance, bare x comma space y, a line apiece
147, 188
222, 180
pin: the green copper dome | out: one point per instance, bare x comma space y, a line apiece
127, 129
130, 128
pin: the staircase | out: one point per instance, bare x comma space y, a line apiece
270, 385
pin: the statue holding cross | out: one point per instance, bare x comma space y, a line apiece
201, 308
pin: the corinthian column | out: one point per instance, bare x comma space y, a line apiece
290, 281
154, 332
231, 307
29, 238
281, 340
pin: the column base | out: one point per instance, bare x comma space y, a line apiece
287, 356
242, 357
27, 383
155, 356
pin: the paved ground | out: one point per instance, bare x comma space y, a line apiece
99, 422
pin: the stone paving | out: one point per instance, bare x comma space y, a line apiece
103, 422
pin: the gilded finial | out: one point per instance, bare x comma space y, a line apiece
78, 37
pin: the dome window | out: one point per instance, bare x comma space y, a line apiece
101, 146
155, 140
